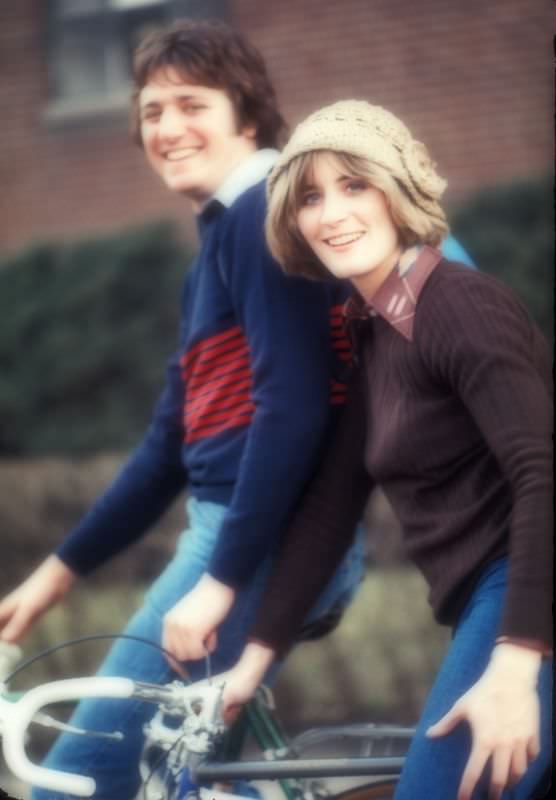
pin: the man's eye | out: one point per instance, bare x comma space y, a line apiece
193, 108
150, 116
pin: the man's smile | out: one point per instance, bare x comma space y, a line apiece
181, 153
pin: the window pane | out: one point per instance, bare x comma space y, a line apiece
78, 60
131, 27
92, 42
69, 8
135, 3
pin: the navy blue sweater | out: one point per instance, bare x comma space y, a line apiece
248, 398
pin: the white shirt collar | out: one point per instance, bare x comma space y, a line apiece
252, 170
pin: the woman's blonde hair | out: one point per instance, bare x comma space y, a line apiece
415, 225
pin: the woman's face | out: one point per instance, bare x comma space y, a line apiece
347, 224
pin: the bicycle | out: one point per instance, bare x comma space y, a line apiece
189, 753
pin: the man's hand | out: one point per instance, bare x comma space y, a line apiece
502, 710
189, 631
44, 587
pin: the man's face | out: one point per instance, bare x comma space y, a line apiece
190, 135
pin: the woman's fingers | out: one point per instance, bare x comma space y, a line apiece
500, 771
473, 771
447, 723
533, 747
519, 764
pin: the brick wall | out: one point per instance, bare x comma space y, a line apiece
473, 80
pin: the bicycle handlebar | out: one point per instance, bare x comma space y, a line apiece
16, 717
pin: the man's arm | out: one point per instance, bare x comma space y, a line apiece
144, 488
287, 324
146, 485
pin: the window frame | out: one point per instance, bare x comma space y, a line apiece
106, 104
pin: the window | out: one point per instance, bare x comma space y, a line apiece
91, 44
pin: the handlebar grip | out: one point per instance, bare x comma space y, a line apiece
17, 717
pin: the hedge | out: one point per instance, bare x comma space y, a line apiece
85, 332
509, 230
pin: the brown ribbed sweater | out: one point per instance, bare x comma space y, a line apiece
450, 413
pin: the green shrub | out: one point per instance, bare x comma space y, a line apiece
509, 231
85, 331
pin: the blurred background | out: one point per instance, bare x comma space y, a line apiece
93, 252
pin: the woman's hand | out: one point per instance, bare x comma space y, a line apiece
44, 587
243, 680
502, 710
189, 630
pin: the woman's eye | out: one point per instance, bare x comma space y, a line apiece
357, 186
310, 198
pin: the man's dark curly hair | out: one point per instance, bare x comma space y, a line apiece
211, 53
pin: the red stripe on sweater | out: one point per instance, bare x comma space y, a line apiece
205, 363
219, 382
212, 342
240, 420
215, 400
212, 416
240, 366
226, 351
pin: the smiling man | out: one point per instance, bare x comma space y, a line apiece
191, 136
248, 399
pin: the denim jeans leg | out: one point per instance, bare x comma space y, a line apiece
434, 767
114, 765
342, 587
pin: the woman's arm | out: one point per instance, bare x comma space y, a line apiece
243, 680
321, 530
481, 343
477, 339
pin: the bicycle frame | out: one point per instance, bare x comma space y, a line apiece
275, 747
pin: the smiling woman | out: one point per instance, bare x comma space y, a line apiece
347, 223
450, 413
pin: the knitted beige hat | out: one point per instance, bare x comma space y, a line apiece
361, 129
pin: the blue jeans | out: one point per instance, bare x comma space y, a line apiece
114, 765
434, 767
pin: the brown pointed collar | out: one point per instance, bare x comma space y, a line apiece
397, 298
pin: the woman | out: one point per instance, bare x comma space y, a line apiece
450, 412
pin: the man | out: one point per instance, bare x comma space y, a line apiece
249, 397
